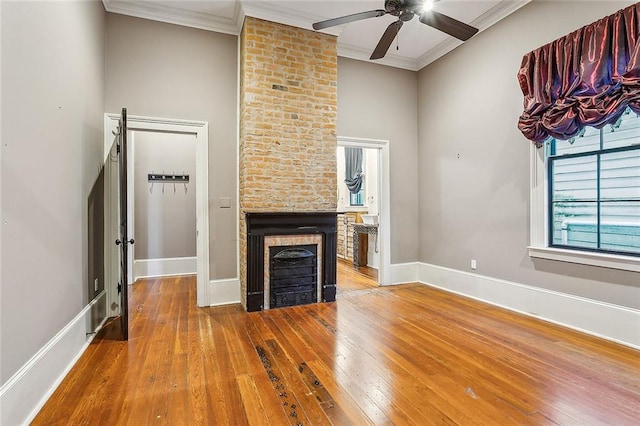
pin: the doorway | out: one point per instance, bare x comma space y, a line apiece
162, 185
141, 128
363, 203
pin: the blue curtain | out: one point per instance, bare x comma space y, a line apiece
353, 169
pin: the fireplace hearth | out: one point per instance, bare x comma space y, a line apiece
291, 259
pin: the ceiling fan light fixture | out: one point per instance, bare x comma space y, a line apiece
404, 10
427, 6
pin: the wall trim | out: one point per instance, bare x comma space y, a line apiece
224, 291
612, 322
26, 392
173, 15
402, 273
167, 267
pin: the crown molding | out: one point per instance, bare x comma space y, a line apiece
171, 15
484, 21
437, 52
355, 52
498, 12
270, 11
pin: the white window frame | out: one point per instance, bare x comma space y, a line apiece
539, 230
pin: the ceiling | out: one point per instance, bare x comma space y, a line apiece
417, 44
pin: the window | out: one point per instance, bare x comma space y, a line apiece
584, 196
356, 170
593, 189
357, 199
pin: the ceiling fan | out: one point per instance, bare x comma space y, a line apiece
405, 10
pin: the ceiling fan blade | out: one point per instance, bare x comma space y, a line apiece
349, 18
386, 40
448, 25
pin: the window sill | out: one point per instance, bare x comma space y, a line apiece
613, 261
356, 209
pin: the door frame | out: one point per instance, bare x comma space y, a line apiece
200, 129
384, 209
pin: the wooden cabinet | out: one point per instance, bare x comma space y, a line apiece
345, 238
363, 249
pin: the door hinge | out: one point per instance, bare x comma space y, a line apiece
118, 148
119, 288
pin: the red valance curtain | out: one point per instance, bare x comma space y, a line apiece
586, 78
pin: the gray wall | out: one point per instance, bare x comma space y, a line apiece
52, 120
163, 70
474, 162
165, 221
380, 102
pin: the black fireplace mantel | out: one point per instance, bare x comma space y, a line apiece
261, 224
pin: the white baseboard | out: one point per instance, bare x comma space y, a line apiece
402, 273
224, 292
611, 322
151, 268
24, 394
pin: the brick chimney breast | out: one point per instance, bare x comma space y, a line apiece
288, 117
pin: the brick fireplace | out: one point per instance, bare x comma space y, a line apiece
288, 113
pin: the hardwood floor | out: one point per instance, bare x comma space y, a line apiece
403, 355
350, 279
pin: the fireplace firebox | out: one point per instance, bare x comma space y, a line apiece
293, 275
299, 252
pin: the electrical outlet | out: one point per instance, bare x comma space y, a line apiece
473, 264
95, 284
